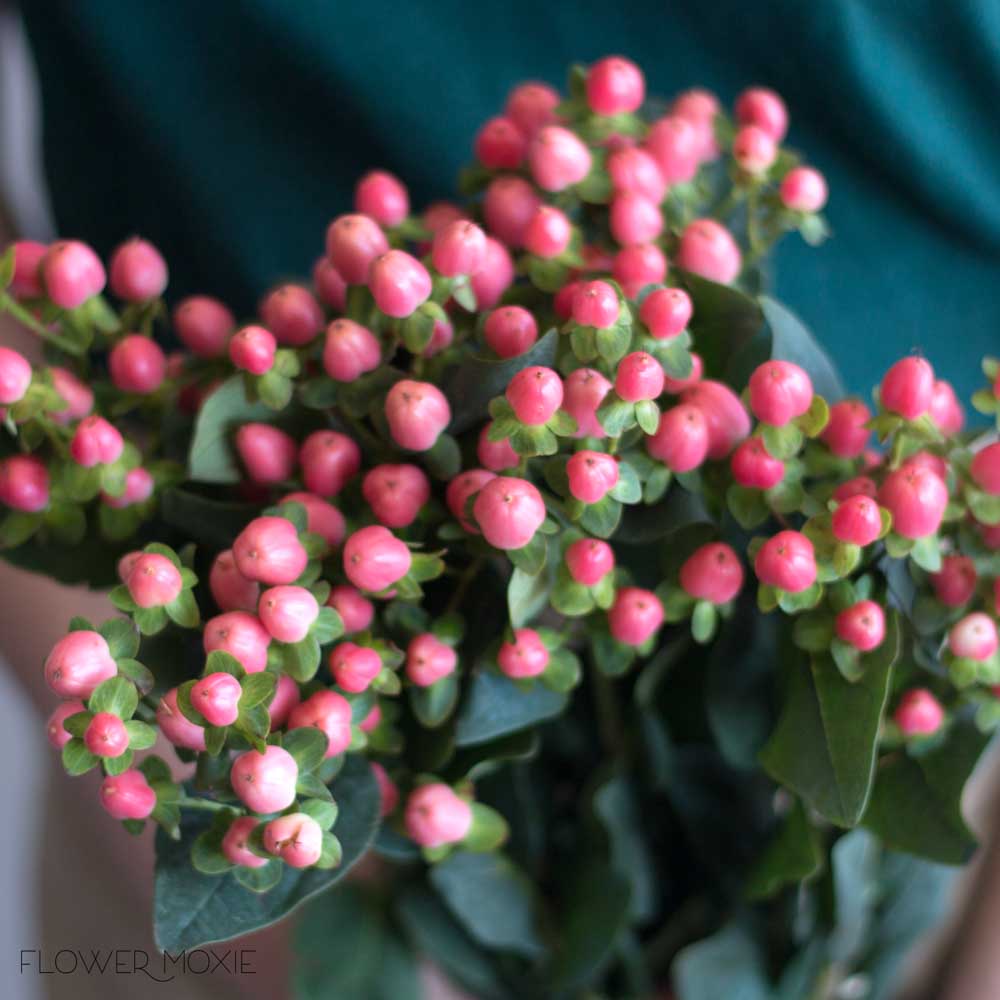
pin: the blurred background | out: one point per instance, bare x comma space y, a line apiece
229, 133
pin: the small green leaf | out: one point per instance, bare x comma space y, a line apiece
77, 759
307, 745
488, 831
115, 695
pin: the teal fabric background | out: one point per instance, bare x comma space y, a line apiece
231, 132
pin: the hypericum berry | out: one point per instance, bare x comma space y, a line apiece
268, 550
231, 590
352, 243
535, 393
858, 486
497, 456
78, 663
428, 659
675, 386
496, 276
56, 733
500, 144
328, 712
354, 667
217, 698
331, 289
137, 364
754, 467
531, 106
916, 497
635, 267
985, 469
919, 713
355, 610
106, 735
442, 336
153, 580
589, 560
137, 271
399, 283
845, 434
945, 409
974, 637
292, 314
955, 583
372, 720
639, 376
436, 816
242, 636
374, 558
615, 85
779, 392
15, 376
460, 489
176, 726
72, 273
862, 626
990, 534
634, 219
676, 145
908, 388
635, 171
79, 398
557, 158
708, 249
388, 792
526, 656
509, 204
700, 108
595, 303
857, 520
583, 392
267, 453
548, 232
383, 197
234, 843
286, 697
96, 442
296, 838
635, 615
928, 460
417, 413
591, 475
754, 149
287, 612
328, 459
803, 189
712, 573
666, 312
128, 795
728, 421
509, 511
322, 518
787, 561
681, 439
203, 325
510, 331
396, 493
996, 596
764, 108
252, 350
437, 215
139, 486
26, 282
265, 782
459, 248
24, 483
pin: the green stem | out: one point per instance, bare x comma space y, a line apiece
464, 582
8, 304
207, 804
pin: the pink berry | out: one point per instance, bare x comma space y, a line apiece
858, 486
712, 573
615, 85
497, 456
985, 469
857, 520
436, 816
676, 145
176, 727
287, 612
437, 215
137, 271
589, 560
125, 564
535, 393
265, 782
139, 486
584, 391
15, 376
460, 489
322, 518
803, 189
79, 398
442, 336
666, 312
297, 839
974, 637
510, 331
945, 409
955, 583
24, 483
635, 615
417, 413
388, 792
128, 795
350, 350
267, 453
509, 511
675, 386
399, 283
990, 534
268, 551
862, 625
708, 249
531, 106
681, 439
374, 558
396, 493
786, 561
754, 149
779, 392
908, 388
153, 581
355, 610
252, 350
235, 840
56, 733
286, 698
352, 243
557, 158
930, 461
292, 314
916, 498
548, 233
754, 467
242, 636
500, 144
96, 442
845, 434
231, 590
26, 283
700, 108
595, 303
634, 219
728, 422
331, 289
372, 720
509, 205
78, 663
203, 325
563, 301
635, 171
72, 273
329, 460
354, 667
635, 267
526, 656
765, 109
459, 248
639, 376
591, 475
382, 197
328, 712
496, 276
428, 659
217, 698
137, 364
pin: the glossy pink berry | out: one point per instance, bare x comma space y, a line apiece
267, 452
666, 312
292, 314
56, 733
535, 393
137, 364
681, 439
908, 388
396, 493
858, 486
428, 659
128, 795
510, 330
252, 350
329, 460
496, 276
26, 283
418, 413
862, 626
635, 171
330, 287
584, 391
526, 656
945, 409
591, 475
268, 551
509, 511
728, 421
352, 243
296, 838
779, 392
712, 573
595, 303
242, 636
106, 735
548, 232
845, 434
764, 108
857, 520
235, 841
328, 712
754, 467
639, 377
708, 249
354, 667
286, 697
985, 469
635, 615
497, 456
265, 782
355, 610
78, 663
176, 726
615, 85
153, 581
459, 248
754, 149
634, 219
955, 583
531, 106
287, 612
72, 273
460, 489
78, 398
322, 518
231, 590
399, 283
95, 442
137, 271
787, 561
974, 637
676, 145
557, 158
374, 558
509, 205
803, 189
217, 698
589, 560
203, 325
436, 816
500, 144
15, 376
24, 483
388, 790
916, 498
382, 197
635, 267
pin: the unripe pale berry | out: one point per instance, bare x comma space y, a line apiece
382, 197
78, 663
137, 364
787, 561
176, 727
265, 782
396, 493
615, 85
908, 388
322, 518
548, 232
676, 145
712, 573
496, 276
417, 413
436, 816
459, 248
675, 386
681, 439
591, 475
916, 497
79, 398
354, 667
352, 243
95, 442
595, 303
24, 483
728, 421
292, 314
557, 158
286, 697
328, 459
297, 839
526, 656
583, 392
845, 434
268, 551
252, 350
919, 713
128, 795
428, 659
497, 456
635, 267
240, 634
388, 792
857, 520
509, 511
26, 283
355, 610
460, 488
234, 843
500, 144
153, 580
858, 486
754, 149
531, 106
945, 409
707, 248
635, 171
764, 108
330, 713
666, 312
287, 612
267, 452
15, 376
217, 697
399, 283
955, 583
634, 219
779, 392
639, 376
803, 189
589, 560
862, 626
203, 325
231, 590
985, 469
974, 637
754, 467
137, 271
635, 615
72, 273
374, 558
510, 330
331, 289
139, 485
535, 393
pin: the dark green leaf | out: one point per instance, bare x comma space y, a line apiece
434, 704
494, 705
729, 964
795, 855
212, 458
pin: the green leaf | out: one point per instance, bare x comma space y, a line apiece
121, 637
729, 964
628, 489
782, 442
792, 341
704, 621
794, 856
494, 706
17, 527
531, 558
647, 415
613, 342
300, 660
444, 460
602, 518
434, 704
115, 695
258, 689
307, 745
76, 758
215, 523
563, 672
183, 610
527, 595
926, 553
7, 266
489, 829
324, 812
211, 458
140, 735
